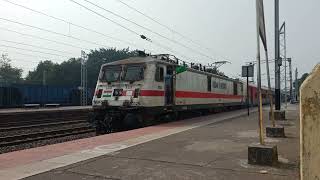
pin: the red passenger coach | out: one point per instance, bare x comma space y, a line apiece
138, 90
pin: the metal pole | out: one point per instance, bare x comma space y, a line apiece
86, 82
81, 90
248, 90
44, 78
277, 57
285, 64
290, 74
84, 85
269, 90
259, 77
297, 85
44, 83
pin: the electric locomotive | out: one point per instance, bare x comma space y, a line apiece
138, 91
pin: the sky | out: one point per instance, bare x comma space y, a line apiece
219, 29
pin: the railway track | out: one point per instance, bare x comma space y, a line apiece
41, 124
43, 135
20, 131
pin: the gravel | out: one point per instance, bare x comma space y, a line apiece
45, 142
40, 129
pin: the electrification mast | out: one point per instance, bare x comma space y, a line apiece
277, 57
84, 86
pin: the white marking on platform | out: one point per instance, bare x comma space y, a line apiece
248, 134
283, 160
49, 164
271, 140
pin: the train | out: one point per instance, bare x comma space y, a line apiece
19, 95
138, 91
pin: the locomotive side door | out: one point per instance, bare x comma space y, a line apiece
168, 87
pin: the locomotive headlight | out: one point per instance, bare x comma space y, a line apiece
129, 93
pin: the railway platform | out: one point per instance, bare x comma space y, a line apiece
207, 147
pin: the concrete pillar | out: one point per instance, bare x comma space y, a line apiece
310, 126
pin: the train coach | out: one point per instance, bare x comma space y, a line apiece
18, 95
139, 90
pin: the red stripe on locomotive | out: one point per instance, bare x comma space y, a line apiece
189, 94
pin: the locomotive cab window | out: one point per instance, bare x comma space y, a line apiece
209, 83
235, 88
159, 74
134, 73
169, 70
110, 73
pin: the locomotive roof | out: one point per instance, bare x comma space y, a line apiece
152, 59
132, 60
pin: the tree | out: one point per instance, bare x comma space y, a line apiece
8, 73
301, 80
303, 77
98, 57
68, 72
215, 71
47, 69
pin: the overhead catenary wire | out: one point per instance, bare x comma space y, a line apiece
165, 26
164, 47
142, 36
23, 61
175, 52
134, 32
54, 32
30, 55
148, 29
57, 33
262, 61
46, 39
73, 24
40, 47
18, 59
6, 46
50, 40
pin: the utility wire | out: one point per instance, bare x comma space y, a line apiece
49, 40
46, 39
134, 32
40, 47
148, 29
262, 61
40, 57
23, 61
165, 26
70, 23
53, 32
150, 18
142, 36
33, 51
12, 59
175, 52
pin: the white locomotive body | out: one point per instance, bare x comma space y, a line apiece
138, 90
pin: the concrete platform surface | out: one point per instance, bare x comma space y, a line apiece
211, 147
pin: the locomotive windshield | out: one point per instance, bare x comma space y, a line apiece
117, 73
134, 73
110, 73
